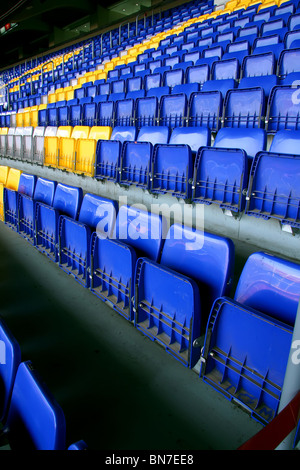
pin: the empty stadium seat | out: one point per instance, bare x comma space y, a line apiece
286, 141
10, 358
195, 137
10, 191
283, 109
205, 109
85, 150
113, 261
244, 108
67, 201
35, 421
173, 110
248, 339
135, 164
146, 111
175, 311
270, 195
257, 65
172, 170
43, 192
97, 215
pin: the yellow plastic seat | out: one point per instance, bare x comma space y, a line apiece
68, 146
3, 174
13, 179
52, 145
20, 119
86, 150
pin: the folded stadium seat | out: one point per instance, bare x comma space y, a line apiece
219, 85
79, 93
197, 74
269, 195
226, 69
158, 92
172, 78
113, 260
152, 81
205, 109
89, 114
104, 89
10, 357
124, 112
154, 134
91, 91
292, 39
97, 215
268, 44
238, 50
173, 298
105, 113
249, 33
257, 65
146, 111
19, 141
171, 170
52, 145
186, 88
63, 115
68, 147
43, 117
35, 420
248, 339
38, 143
286, 141
134, 84
75, 115
277, 26
294, 22
283, 109
9, 147
43, 192
266, 82
85, 150
288, 62
173, 110
10, 205
194, 137
245, 108
67, 201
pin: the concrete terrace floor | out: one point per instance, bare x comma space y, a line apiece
118, 389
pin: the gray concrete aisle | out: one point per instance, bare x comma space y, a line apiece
118, 389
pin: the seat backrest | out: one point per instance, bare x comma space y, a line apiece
98, 213
10, 356
205, 109
142, 230
224, 69
288, 62
173, 110
194, 137
154, 134
197, 74
44, 191
64, 131
27, 184
286, 141
80, 132
35, 419
146, 111
3, 174
105, 113
13, 179
244, 108
251, 141
100, 132
270, 285
67, 199
122, 133
283, 109
124, 112
204, 257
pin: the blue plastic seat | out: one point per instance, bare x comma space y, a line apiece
76, 115
79, 445
292, 39
276, 26
146, 111
197, 74
244, 357
154, 134
123, 133
206, 109
219, 85
283, 109
104, 89
153, 81
10, 358
105, 113
35, 420
113, 261
43, 117
244, 108
286, 141
220, 178
251, 140
173, 298
124, 112
288, 62
52, 116
134, 84
174, 77
107, 162
67, 200
63, 116
256, 65
267, 82
135, 164
97, 214
158, 92
195, 137
186, 88
270, 195
89, 114
26, 187
173, 110
172, 170
44, 192
79, 93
